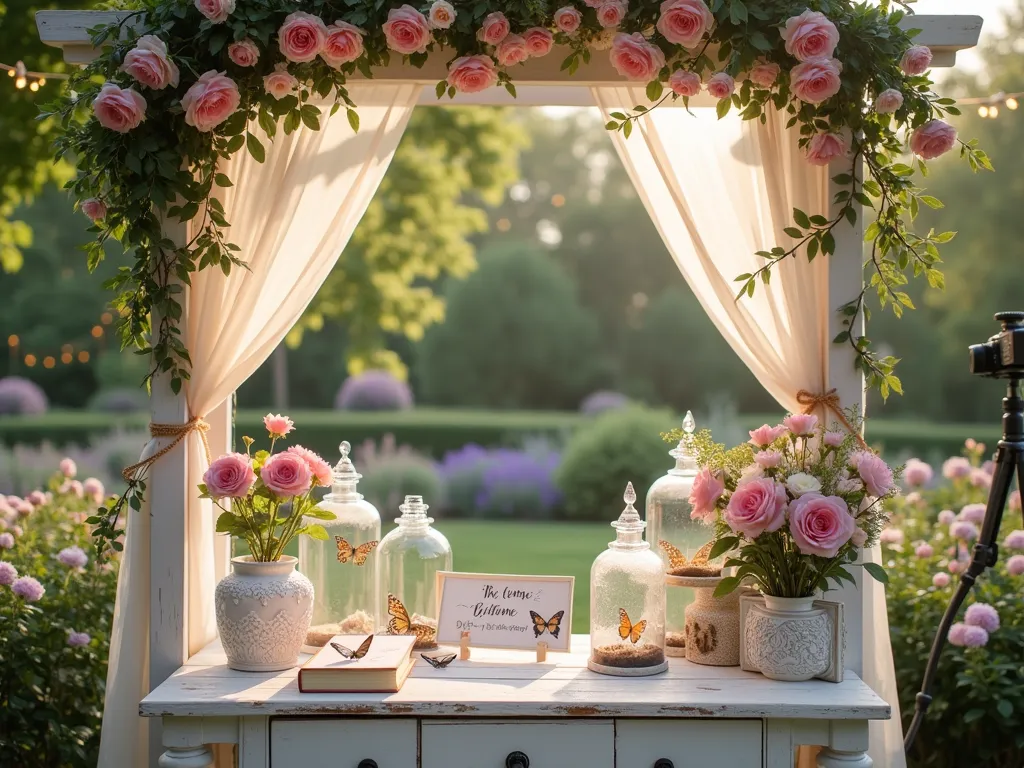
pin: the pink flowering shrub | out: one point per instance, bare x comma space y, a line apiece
56, 605
979, 691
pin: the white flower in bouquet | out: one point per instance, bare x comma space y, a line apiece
800, 483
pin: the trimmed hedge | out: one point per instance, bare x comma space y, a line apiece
436, 430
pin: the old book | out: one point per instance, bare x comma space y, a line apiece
382, 669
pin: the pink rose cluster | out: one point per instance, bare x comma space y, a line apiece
230, 476
119, 109
757, 506
635, 58
150, 65
472, 74
568, 20
820, 525
216, 11
684, 22
810, 35
933, 139
874, 472
610, 13
211, 100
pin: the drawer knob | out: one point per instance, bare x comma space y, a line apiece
663, 762
367, 763
517, 760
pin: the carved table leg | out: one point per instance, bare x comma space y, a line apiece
186, 757
832, 758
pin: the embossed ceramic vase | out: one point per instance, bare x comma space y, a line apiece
263, 613
788, 639
712, 626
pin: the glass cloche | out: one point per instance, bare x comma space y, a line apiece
409, 558
627, 602
343, 568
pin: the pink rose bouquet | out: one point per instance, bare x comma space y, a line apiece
791, 507
259, 485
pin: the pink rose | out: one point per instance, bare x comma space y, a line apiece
916, 60
93, 488
768, 459
119, 109
859, 537
441, 15
148, 63
820, 525
721, 85
917, 473
873, 470
892, 536
704, 495
344, 43
568, 19
94, 208
302, 36
318, 467
764, 74
941, 579
280, 82
684, 83
36, 498
407, 30
494, 29
67, 466
229, 476
278, 425
934, 138
833, 439
888, 101
765, 435
756, 506
801, 424
611, 13
511, 51
684, 22
286, 474
472, 74
244, 53
823, 148
210, 101
924, 550
216, 10
810, 35
539, 41
636, 59
815, 80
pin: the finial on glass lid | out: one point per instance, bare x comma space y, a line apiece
344, 470
344, 447
630, 495
689, 425
629, 521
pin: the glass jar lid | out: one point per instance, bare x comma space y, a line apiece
414, 513
685, 453
345, 476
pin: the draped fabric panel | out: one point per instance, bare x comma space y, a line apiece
291, 216
718, 191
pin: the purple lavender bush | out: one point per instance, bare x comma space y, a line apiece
603, 400
120, 400
373, 391
462, 473
19, 397
501, 482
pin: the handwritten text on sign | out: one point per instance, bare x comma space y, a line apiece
505, 611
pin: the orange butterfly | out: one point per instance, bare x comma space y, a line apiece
552, 625
628, 629
401, 624
357, 555
676, 558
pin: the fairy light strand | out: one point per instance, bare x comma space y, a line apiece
24, 78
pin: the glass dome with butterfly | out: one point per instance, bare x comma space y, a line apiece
627, 602
342, 567
409, 559
682, 542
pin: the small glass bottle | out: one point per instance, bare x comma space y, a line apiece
627, 602
409, 558
676, 536
343, 567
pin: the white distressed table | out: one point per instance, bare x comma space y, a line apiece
479, 713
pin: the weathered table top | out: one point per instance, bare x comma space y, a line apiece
497, 683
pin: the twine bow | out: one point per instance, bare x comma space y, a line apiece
176, 431
829, 401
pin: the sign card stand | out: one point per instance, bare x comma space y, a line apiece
464, 649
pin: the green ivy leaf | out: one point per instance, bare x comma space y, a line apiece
255, 148
877, 572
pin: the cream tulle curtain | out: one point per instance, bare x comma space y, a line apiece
291, 216
718, 191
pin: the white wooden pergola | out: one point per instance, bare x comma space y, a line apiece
539, 82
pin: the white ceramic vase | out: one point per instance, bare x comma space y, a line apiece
789, 639
263, 613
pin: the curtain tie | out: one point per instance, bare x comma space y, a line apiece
176, 431
828, 401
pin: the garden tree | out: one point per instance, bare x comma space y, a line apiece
415, 231
515, 336
26, 152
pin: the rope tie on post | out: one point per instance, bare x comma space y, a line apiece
829, 401
176, 431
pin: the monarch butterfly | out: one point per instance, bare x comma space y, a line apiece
552, 625
676, 559
358, 554
629, 630
438, 662
358, 653
400, 624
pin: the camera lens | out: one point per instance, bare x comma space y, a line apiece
982, 358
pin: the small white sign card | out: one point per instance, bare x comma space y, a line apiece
503, 611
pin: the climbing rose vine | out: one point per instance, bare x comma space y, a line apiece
198, 82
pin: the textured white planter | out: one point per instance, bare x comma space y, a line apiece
789, 639
263, 614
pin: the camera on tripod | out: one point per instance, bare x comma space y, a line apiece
1003, 354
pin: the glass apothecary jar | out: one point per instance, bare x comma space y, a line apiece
409, 558
680, 541
343, 567
627, 602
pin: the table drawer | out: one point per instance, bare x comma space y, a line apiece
330, 742
547, 744
688, 743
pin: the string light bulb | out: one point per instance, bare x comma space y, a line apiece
1011, 103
